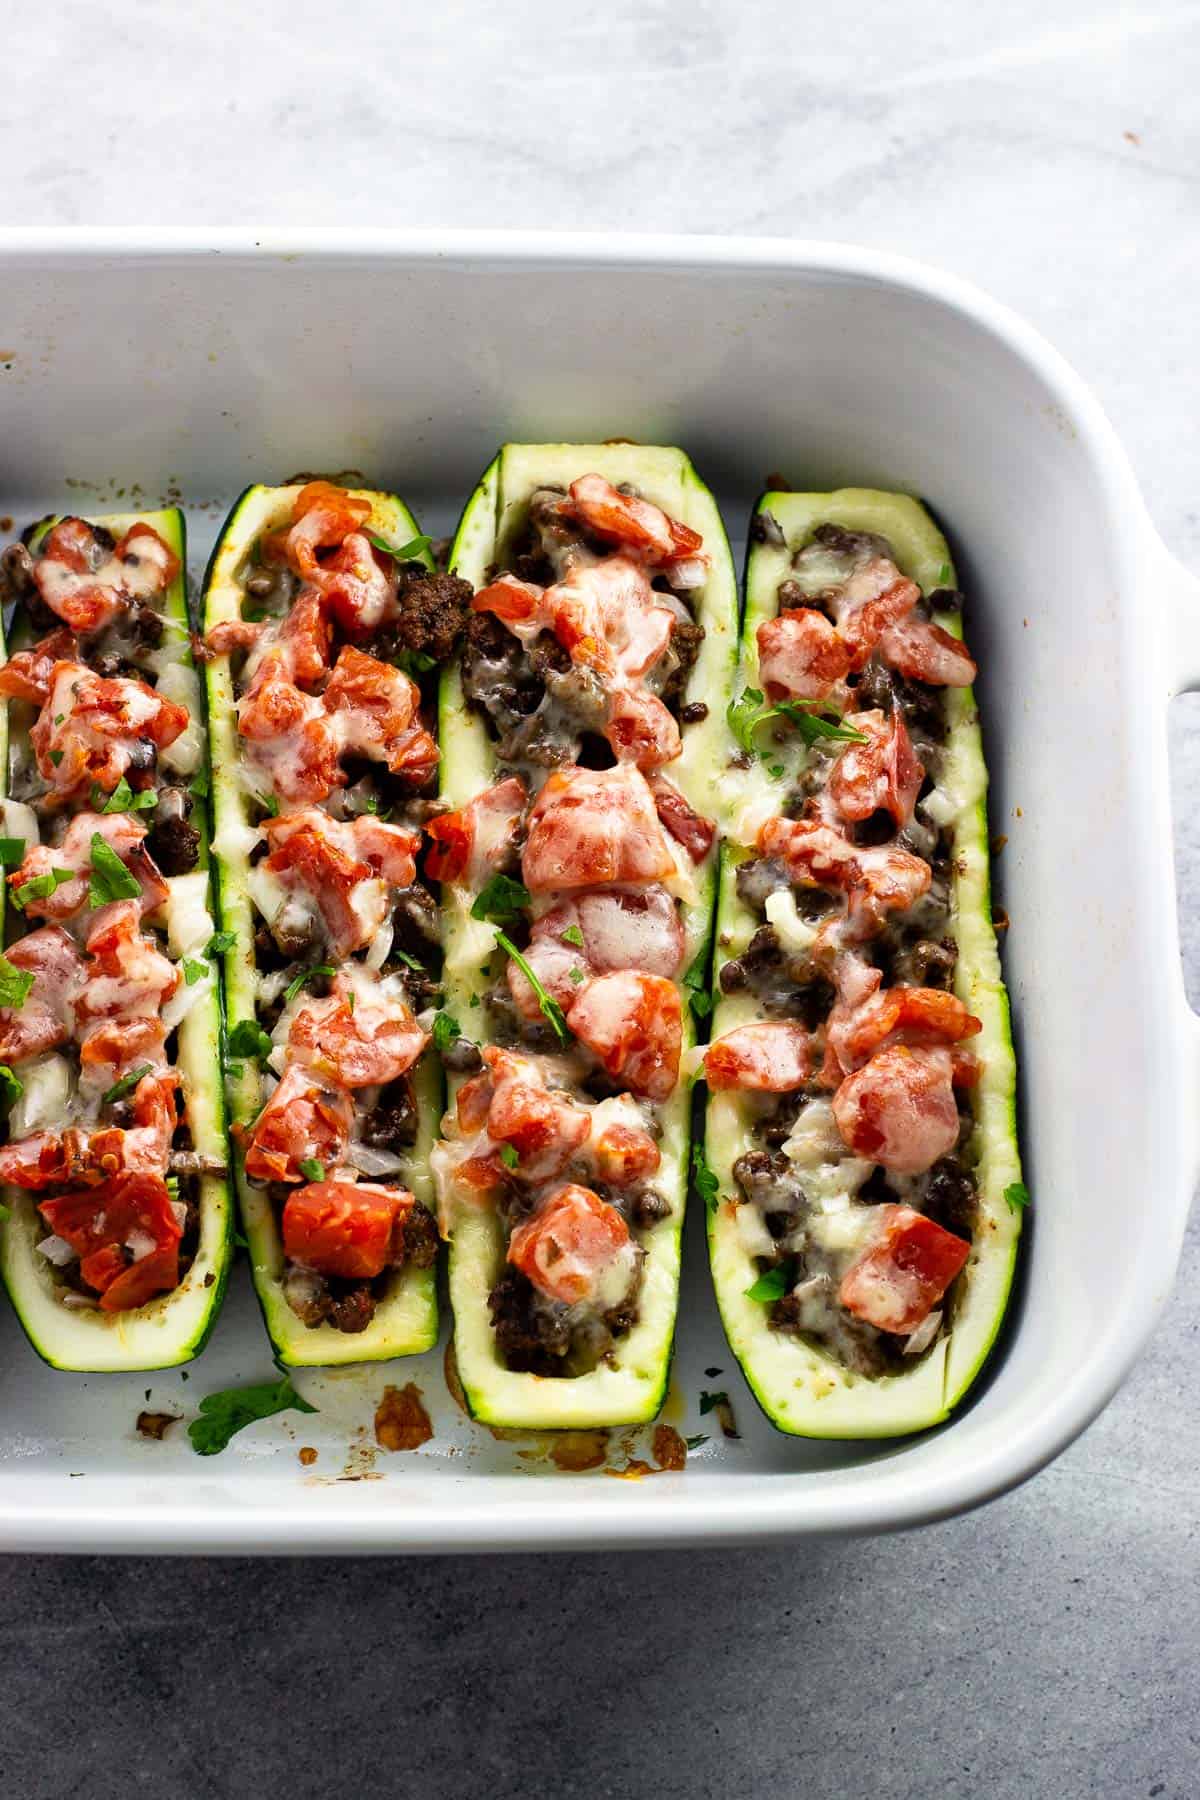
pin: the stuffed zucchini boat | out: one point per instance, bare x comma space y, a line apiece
578, 869
117, 1245
321, 603
861, 1122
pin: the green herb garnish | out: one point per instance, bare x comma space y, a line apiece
220, 942
123, 799
10, 1085
446, 1031
710, 1402
270, 805
1017, 1195
708, 1188
126, 1085
111, 880
747, 713
549, 1006
415, 547
193, 971
501, 899
312, 1170
12, 852
56, 757
771, 1285
14, 984
231, 1410
200, 784
509, 1157
297, 982
694, 1443
943, 575
697, 988
249, 1039
573, 935
40, 887
410, 962
577, 975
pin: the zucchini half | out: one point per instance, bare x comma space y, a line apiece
802, 1391
406, 1317
173, 1327
629, 1387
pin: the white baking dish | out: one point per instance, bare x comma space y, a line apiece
204, 363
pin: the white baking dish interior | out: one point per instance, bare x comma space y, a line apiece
202, 371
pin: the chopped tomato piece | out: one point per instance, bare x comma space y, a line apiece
900, 1277
377, 708
882, 775
231, 635
308, 851
639, 930
305, 1119
684, 823
814, 855
358, 585
357, 1042
924, 652
102, 1267
623, 1154
609, 618
133, 1206
542, 1124
877, 880
26, 676
624, 519
124, 834
473, 1101
47, 1017
855, 981
345, 1228
919, 1017
570, 1243
52, 1159
641, 730
323, 516
305, 638
94, 728
115, 1046
129, 975
633, 1024
513, 601
469, 844
772, 1058
148, 562
290, 737
800, 656
594, 827
155, 1273
874, 598
899, 1109
86, 579
888, 880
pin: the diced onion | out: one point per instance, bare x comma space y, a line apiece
58, 1251
923, 1336
20, 821
139, 1244
381, 945
369, 1161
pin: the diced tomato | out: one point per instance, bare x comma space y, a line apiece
391, 850
814, 855
102, 1267
306, 853
131, 1206
473, 1103
900, 1277
469, 844
305, 1119
358, 584
772, 1058
110, 1049
876, 879
377, 705
609, 618
855, 981
637, 524
129, 974
899, 1109
305, 638
42, 1160
87, 580
542, 1124
919, 1017
888, 880
924, 652
149, 565
641, 730
800, 656
358, 1045
569, 1243
882, 775
92, 727
26, 676
46, 1019
633, 1024
684, 823
344, 1228
156, 1273
594, 827
323, 516
624, 1154
513, 601
52, 1159
640, 930
290, 736
874, 598
124, 834
233, 634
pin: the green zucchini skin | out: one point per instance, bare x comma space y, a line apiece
174, 1327
406, 1318
631, 1390
802, 1391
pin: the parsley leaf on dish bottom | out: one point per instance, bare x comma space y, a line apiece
232, 1409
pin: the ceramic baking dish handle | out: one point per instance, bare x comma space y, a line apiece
1181, 592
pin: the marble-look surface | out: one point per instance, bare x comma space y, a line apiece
1045, 1646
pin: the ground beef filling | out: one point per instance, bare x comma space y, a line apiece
349, 1306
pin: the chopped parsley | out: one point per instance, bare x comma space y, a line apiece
270, 805
694, 1443
126, 1085
312, 1170
747, 713
111, 880
550, 1007
710, 1402
200, 784
14, 984
415, 662
11, 1087
194, 971
446, 1031
40, 887
123, 799
708, 1188
696, 984
12, 852
500, 900
577, 975
222, 1414
943, 575
509, 1157
771, 1285
1017, 1195
56, 757
298, 981
410, 962
249, 1039
220, 942
743, 714
410, 552
573, 935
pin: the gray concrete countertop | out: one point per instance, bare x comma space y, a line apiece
1043, 1646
